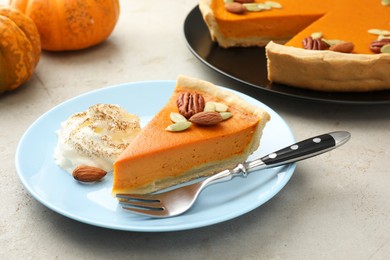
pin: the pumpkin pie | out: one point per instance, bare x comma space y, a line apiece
283, 30
159, 158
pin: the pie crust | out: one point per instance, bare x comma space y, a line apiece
327, 70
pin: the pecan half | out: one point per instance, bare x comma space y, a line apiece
376, 45
314, 44
190, 104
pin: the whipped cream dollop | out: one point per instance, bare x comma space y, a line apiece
95, 137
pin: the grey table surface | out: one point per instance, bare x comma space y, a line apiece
336, 206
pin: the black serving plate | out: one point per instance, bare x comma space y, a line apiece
249, 66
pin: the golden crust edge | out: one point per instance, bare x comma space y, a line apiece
327, 70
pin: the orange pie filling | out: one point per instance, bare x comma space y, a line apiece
276, 25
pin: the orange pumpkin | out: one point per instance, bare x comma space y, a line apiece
20, 48
71, 25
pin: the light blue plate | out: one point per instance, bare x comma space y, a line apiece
93, 203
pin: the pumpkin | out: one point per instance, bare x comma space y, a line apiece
20, 48
71, 25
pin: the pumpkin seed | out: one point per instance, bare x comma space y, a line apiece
228, 1
226, 115
215, 107
253, 7
331, 42
379, 32
179, 126
385, 2
381, 37
176, 117
219, 107
385, 48
257, 7
316, 35
273, 4
209, 107
264, 6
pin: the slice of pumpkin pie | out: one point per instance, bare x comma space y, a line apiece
214, 130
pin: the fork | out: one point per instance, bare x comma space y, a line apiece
177, 201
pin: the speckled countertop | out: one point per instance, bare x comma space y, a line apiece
336, 206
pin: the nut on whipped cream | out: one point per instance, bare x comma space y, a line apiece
95, 137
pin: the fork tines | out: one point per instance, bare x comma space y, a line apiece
140, 203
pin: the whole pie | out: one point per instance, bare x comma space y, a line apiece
328, 45
188, 140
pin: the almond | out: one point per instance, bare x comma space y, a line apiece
86, 173
206, 118
345, 47
235, 8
